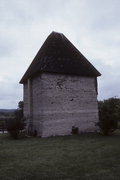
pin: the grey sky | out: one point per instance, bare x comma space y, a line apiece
93, 26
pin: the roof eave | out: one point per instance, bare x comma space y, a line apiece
24, 80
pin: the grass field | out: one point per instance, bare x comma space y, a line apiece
83, 157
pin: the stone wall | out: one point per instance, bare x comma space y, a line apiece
25, 99
62, 101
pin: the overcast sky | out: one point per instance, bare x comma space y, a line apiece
93, 26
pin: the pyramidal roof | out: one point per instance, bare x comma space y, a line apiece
59, 55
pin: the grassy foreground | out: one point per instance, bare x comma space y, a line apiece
83, 157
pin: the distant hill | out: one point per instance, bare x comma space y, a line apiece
4, 113
7, 110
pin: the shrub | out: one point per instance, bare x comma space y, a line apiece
109, 115
16, 124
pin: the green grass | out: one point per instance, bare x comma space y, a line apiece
83, 157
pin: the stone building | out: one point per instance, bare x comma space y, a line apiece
60, 90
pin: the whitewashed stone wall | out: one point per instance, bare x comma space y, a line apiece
62, 101
25, 99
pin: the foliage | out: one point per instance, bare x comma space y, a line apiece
14, 126
109, 115
20, 105
2, 124
5, 114
16, 123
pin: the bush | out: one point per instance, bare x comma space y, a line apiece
14, 126
17, 123
109, 115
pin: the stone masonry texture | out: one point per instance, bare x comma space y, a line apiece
60, 102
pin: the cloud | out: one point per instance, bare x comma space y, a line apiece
10, 93
93, 26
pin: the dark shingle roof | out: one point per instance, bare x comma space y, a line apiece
59, 55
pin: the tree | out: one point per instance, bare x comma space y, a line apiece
16, 123
21, 105
109, 115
